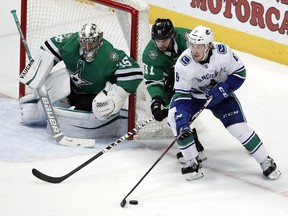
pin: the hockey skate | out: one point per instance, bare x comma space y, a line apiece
192, 170
201, 157
269, 168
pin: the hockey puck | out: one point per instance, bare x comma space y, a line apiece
133, 202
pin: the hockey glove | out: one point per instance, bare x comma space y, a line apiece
109, 101
182, 123
219, 93
157, 108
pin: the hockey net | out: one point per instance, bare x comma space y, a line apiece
125, 24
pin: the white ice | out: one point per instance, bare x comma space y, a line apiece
233, 183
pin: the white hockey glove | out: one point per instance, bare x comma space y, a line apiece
109, 101
38, 68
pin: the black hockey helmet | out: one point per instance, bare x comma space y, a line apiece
162, 29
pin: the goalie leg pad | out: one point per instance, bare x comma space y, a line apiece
31, 110
38, 68
84, 125
58, 85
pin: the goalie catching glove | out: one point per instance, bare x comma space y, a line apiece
109, 101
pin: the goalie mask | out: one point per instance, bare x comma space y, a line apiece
90, 39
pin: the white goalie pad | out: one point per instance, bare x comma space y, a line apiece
31, 110
84, 125
58, 87
38, 68
109, 101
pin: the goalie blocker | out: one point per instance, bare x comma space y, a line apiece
38, 68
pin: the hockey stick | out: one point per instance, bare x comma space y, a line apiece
47, 105
123, 202
56, 180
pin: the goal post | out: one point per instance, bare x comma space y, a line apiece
125, 23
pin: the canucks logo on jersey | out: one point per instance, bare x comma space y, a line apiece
185, 60
221, 48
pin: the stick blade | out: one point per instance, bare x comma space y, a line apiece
47, 178
76, 142
123, 203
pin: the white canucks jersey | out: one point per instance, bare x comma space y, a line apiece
197, 79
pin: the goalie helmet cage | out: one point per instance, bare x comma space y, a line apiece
125, 24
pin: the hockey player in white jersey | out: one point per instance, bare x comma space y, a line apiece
210, 69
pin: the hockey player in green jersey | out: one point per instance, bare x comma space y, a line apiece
159, 57
100, 78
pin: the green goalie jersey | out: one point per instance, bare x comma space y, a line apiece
158, 65
110, 64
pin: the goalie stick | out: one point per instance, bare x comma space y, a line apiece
47, 105
123, 202
56, 180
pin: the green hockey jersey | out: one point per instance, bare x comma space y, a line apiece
158, 65
110, 64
